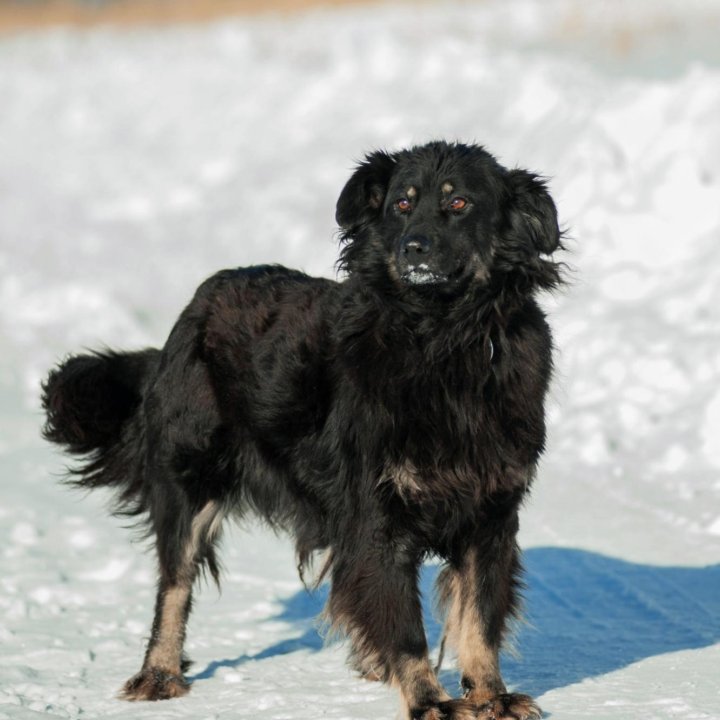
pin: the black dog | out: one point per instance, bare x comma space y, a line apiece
392, 416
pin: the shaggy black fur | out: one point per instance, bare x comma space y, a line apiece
392, 416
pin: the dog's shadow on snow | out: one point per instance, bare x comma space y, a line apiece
585, 615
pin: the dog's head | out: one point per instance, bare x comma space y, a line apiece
441, 217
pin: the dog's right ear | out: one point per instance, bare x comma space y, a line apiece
362, 197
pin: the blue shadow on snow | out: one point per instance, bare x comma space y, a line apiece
585, 615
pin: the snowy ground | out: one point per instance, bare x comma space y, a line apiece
135, 163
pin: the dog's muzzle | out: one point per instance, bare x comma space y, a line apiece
415, 261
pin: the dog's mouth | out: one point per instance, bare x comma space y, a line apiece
423, 275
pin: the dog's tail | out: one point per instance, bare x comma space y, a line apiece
90, 402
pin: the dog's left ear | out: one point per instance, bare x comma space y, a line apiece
364, 193
533, 216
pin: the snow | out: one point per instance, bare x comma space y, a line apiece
133, 163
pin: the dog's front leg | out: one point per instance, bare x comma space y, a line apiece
375, 600
479, 591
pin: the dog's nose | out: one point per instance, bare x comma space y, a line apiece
414, 246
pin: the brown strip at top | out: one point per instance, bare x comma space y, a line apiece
22, 16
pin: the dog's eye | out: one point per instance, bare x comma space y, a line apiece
457, 204
403, 205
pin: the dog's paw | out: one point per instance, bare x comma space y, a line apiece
510, 706
154, 684
446, 710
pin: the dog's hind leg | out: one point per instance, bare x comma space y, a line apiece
184, 542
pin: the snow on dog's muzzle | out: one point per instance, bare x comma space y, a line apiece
415, 259
422, 275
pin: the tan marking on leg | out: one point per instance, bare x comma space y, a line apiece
166, 648
417, 680
365, 660
414, 677
161, 674
205, 525
204, 528
464, 631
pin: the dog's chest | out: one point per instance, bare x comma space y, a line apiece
432, 400
435, 427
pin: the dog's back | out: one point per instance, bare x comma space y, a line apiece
104, 407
